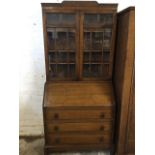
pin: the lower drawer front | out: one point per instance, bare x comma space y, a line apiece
77, 148
77, 114
79, 127
53, 139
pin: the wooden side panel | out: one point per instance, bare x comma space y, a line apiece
123, 70
45, 43
130, 145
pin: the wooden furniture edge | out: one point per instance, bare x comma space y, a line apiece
127, 63
131, 8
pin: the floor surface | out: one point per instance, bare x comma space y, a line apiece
34, 146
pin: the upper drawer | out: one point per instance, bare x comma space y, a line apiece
77, 114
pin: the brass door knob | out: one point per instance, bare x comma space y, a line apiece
56, 116
101, 139
102, 115
57, 140
101, 128
56, 128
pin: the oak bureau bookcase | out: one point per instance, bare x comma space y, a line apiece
79, 100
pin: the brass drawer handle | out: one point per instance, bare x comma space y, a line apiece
56, 128
102, 115
101, 139
57, 140
101, 128
56, 116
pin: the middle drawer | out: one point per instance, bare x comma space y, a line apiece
55, 127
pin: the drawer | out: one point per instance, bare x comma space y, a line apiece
77, 148
71, 139
77, 114
77, 127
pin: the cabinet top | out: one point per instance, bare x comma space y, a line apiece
80, 4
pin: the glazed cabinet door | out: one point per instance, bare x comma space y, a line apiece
61, 32
79, 45
97, 33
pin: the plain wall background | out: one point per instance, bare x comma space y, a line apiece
32, 66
